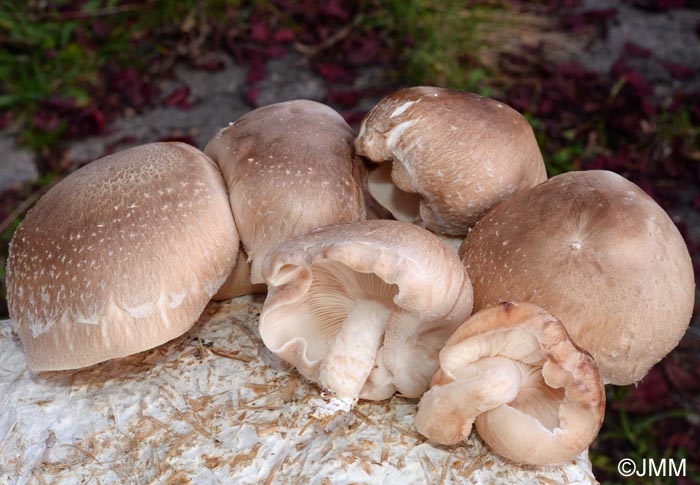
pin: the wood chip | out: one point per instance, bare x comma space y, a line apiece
233, 355
265, 431
445, 469
258, 388
273, 471
306, 426
290, 388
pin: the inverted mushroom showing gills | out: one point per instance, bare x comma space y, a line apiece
596, 251
446, 157
289, 167
533, 395
120, 256
363, 308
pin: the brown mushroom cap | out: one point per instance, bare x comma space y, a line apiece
289, 167
600, 254
452, 155
364, 308
120, 256
534, 396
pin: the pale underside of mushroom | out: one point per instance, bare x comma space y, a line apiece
354, 339
363, 308
512, 371
404, 206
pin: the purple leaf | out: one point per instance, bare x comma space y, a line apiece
46, 121
90, 121
636, 50
101, 29
259, 31
679, 71
353, 118
343, 98
179, 98
252, 95
284, 35
256, 71
334, 73
335, 9
211, 66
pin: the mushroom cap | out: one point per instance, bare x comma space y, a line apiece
597, 252
453, 155
364, 308
120, 256
534, 396
289, 167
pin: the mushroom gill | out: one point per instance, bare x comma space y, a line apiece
342, 319
537, 399
512, 371
404, 206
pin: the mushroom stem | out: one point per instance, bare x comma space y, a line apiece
489, 382
352, 354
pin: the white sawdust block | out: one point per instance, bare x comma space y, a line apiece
212, 407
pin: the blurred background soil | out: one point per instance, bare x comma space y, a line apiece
605, 84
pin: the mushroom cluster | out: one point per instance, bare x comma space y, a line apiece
123, 255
